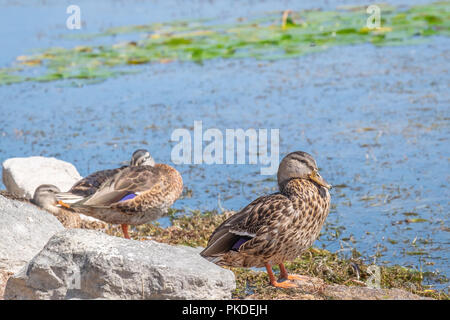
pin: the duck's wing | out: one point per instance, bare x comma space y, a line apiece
131, 180
90, 184
87, 186
247, 224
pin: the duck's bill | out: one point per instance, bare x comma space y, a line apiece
62, 204
317, 178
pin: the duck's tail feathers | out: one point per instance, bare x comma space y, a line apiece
214, 259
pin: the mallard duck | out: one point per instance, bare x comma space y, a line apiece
89, 185
277, 227
135, 195
45, 197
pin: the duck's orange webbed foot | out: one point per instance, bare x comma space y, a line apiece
315, 284
284, 284
295, 277
275, 283
284, 275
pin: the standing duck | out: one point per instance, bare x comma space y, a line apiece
89, 185
135, 195
277, 227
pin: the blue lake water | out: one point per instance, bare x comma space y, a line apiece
375, 119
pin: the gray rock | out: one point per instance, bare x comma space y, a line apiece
87, 264
22, 176
24, 229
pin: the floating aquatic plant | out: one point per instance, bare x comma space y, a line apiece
273, 36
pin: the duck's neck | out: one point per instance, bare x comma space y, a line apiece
297, 187
51, 208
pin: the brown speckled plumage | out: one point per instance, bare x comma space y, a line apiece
45, 195
277, 227
156, 187
68, 219
90, 184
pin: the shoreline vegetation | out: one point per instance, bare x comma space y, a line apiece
274, 36
194, 230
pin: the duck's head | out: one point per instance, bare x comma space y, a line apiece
141, 157
300, 165
45, 196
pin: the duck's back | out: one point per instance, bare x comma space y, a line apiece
134, 196
90, 184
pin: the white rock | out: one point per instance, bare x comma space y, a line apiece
22, 176
88, 264
24, 230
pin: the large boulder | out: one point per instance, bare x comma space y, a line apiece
88, 264
24, 230
22, 176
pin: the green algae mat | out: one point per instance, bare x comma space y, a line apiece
276, 35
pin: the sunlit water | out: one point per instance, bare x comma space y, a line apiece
375, 119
